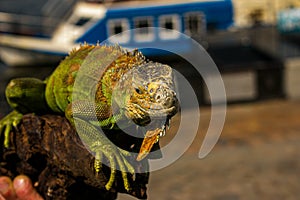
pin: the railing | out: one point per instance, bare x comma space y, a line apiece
27, 25
38, 23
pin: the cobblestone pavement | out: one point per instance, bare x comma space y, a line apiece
257, 157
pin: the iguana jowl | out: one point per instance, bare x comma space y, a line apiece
127, 91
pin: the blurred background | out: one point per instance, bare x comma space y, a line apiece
256, 47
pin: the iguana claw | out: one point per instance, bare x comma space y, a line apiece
115, 156
98, 143
6, 124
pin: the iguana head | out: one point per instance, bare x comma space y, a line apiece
152, 94
150, 100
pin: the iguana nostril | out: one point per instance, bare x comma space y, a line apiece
168, 101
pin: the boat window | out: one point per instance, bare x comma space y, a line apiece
117, 30
170, 25
195, 24
82, 21
144, 31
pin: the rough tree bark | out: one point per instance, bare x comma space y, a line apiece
49, 151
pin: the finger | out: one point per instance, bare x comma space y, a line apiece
124, 173
6, 188
1, 128
97, 162
24, 189
6, 136
113, 172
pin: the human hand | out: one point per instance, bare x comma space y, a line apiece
19, 189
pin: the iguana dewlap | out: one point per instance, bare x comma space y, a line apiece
129, 91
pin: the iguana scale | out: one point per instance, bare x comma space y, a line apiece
120, 88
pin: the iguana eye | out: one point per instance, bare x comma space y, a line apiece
138, 91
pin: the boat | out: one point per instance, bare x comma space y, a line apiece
140, 24
288, 21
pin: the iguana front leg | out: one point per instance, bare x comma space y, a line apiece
24, 95
88, 128
7, 123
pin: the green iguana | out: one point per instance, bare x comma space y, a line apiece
120, 88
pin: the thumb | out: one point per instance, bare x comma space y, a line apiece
24, 189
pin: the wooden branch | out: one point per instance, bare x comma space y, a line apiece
49, 151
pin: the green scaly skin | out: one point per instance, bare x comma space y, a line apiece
141, 88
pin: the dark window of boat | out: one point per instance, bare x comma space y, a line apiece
168, 24
194, 24
143, 29
117, 28
143, 25
82, 21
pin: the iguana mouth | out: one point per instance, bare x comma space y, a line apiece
157, 111
142, 112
